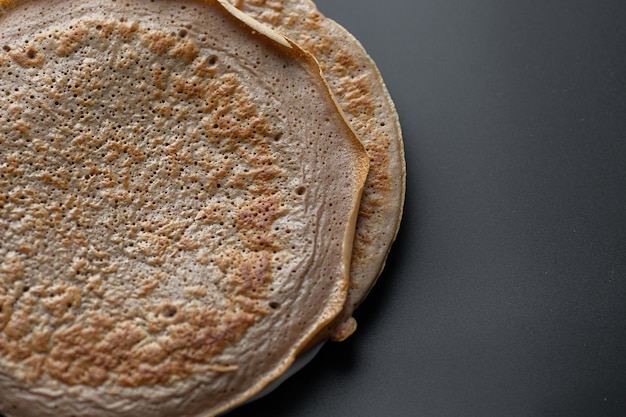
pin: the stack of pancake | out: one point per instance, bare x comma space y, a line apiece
192, 194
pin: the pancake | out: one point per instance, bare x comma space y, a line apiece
178, 198
356, 82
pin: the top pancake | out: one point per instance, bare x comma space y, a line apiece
178, 197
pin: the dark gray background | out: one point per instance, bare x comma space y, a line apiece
505, 293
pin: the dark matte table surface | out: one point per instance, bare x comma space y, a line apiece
505, 293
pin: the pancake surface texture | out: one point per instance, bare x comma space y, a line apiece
178, 197
356, 82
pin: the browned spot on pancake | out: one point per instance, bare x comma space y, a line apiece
33, 368
27, 57
11, 269
256, 219
60, 299
149, 284
344, 63
41, 341
253, 274
18, 326
159, 42
186, 50
361, 242
375, 194
185, 243
195, 291
104, 28
210, 214
70, 40
159, 75
356, 99
5, 310
188, 87
126, 30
